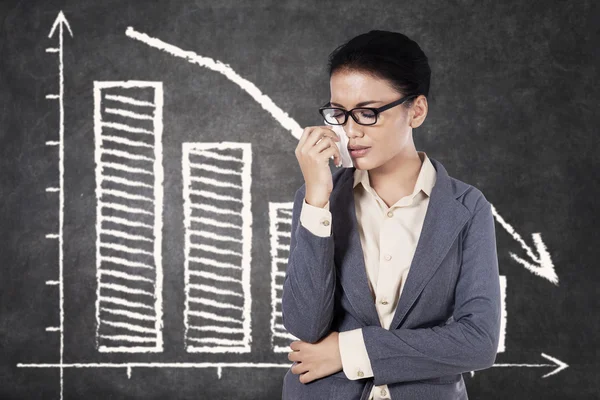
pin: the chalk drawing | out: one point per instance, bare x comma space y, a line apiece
544, 268
60, 22
129, 194
128, 182
556, 365
218, 240
280, 227
503, 315
250, 88
542, 264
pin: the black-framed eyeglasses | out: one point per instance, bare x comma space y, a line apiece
362, 115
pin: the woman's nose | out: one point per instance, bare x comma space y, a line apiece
352, 128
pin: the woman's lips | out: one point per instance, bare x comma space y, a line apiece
358, 153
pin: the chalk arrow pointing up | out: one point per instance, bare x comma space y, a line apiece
60, 22
60, 19
540, 262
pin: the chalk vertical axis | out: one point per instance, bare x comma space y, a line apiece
60, 21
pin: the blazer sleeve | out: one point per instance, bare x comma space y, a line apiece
308, 290
468, 343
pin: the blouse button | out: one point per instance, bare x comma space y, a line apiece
388, 257
390, 214
385, 303
325, 222
383, 392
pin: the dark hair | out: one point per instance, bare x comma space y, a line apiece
386, 55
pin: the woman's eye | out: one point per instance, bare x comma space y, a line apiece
368, 115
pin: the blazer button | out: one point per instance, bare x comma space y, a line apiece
390, 214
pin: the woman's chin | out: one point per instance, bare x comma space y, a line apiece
361, 163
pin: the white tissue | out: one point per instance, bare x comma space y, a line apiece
342, 145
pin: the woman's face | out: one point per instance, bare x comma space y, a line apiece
390, 139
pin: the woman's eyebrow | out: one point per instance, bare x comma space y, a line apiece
362, 103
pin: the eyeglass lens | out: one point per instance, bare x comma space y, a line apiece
364, 116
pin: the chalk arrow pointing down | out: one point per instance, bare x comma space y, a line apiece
556, 363
60, 19
540, 262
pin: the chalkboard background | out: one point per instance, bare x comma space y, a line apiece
513, 107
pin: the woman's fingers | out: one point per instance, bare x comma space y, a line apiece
299, 368
293, 356
312, 135
307, 377
326, 145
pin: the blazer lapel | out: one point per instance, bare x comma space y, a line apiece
444, 219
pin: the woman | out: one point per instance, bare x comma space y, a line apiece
392, 282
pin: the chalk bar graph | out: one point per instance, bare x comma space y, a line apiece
129, 192
280, 227
218, 238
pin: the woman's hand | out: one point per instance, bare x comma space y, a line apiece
315, 147
316, 360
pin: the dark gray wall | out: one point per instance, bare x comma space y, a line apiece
512, 112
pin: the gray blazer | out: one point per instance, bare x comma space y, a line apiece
448, 317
